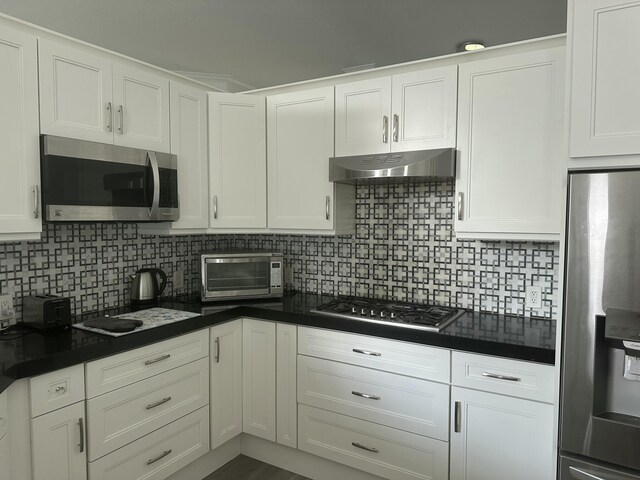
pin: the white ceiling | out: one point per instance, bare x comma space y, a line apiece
271, 42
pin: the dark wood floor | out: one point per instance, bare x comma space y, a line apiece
246, 468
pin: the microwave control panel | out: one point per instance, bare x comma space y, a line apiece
276, 274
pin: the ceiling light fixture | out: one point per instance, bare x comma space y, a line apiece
470, 46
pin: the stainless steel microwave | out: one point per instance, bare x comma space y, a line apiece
88, 182
238, 275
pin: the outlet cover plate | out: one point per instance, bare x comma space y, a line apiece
534, 297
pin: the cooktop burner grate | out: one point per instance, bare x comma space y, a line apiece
404, 314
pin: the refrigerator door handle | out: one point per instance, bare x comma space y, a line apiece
582, 475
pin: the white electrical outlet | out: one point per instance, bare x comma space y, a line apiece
534, 297
178, 280
7, 313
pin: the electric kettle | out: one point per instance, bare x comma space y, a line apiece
144, 285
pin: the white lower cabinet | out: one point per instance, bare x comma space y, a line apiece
259, 378
226, 382
121, 416
159, 454
58, 444
286, 381
377, 449
495, 437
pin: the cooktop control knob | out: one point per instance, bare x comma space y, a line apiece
393, 315
373, 313
363, 312
383, 314
354, 310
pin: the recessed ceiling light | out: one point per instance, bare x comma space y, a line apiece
470, 46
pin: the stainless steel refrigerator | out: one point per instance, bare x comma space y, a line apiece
600, 392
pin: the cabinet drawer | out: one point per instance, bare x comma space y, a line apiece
122, 416
159, 454
376, 449
505, 376
57, 389
392, 356
405, 403
113, 372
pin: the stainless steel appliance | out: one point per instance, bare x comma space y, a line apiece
88, 181
401, 314
144, 285
600, 404
246, 274
423, 165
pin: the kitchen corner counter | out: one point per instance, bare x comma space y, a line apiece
507, 336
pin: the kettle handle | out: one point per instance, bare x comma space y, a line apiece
164, 280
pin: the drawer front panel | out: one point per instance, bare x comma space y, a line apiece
57, 389
159, 454
405, 358
117, 371
528, 380
376, 449
122, 416
405, 403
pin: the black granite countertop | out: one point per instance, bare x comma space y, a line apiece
501, 335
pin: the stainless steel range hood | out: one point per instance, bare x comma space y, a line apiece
423, 165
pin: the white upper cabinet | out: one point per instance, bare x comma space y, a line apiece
605, 74
141, 102
510, 155
19, 153
299, 145
362, 117
75, 93
411, 111
238, 173
189, 143
87, 96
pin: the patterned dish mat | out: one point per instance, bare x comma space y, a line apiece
152, 317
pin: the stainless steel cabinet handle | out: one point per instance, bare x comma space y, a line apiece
385, 129
121, 126
81, 427
328, 207
457, 425
36, 201
582, 475
159, 457
217, 349
215, 206
396, 127
367, 352
159, 359
158, 403
365, 395
368, 449
501, 377
109, 117
460, 196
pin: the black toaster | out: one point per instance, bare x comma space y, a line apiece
46, 312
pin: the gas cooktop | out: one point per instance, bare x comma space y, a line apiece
402, 314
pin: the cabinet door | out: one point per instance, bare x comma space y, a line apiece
299, 145
286, 385
238, 148
259, 378
19, 156
363, 123
424, 109
75, 93
510, 132
189, 143
226, 382
494, 437
141, 108
605, 73
63, 428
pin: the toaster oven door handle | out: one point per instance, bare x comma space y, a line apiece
155, 170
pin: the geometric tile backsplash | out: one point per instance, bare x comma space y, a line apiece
404, 248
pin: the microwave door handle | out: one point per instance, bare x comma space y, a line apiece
153, 160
